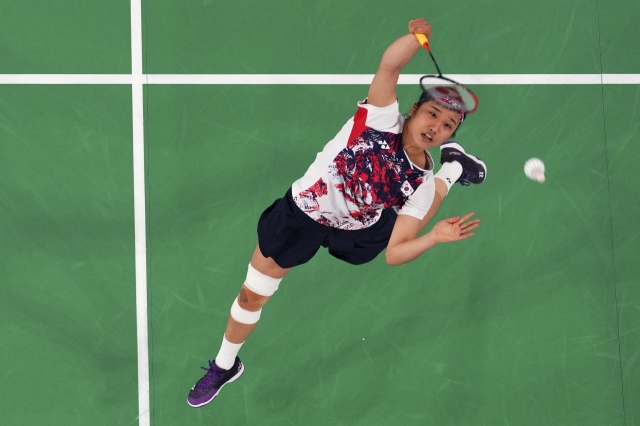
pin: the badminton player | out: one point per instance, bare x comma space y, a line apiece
371, 188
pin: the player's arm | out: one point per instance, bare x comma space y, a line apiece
405, 245
382, 91
439, 195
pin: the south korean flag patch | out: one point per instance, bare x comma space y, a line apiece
406, 189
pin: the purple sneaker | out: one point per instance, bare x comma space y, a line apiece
473, 169
208, 387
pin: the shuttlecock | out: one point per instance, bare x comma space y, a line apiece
534, 169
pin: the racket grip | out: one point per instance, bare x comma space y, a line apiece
423, 41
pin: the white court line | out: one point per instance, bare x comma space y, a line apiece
139, 202
65, 78
620, 78
302, 79
405, 79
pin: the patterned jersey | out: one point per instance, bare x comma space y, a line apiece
364, 170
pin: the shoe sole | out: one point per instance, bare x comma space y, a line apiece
233, 379
460, 148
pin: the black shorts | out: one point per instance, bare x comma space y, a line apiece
291, 238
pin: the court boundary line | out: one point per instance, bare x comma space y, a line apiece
137, 80
613, 251
137, 77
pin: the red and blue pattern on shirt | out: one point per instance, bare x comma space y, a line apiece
372, 173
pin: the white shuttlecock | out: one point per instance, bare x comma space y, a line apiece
534, 169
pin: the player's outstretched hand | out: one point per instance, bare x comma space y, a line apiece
455, 228
420, 26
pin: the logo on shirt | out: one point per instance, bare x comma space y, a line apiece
406, 189
383, 143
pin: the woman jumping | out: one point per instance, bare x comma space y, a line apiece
371, 188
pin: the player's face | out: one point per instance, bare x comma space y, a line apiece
432, 124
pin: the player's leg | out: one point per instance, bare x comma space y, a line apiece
473, 168
286, 236
263, 278
457, 166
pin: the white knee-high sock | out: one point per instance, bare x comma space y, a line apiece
227, 354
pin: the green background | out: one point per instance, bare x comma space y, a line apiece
533, 321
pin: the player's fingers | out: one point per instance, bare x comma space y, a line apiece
424, 29
420, 26
468, 224
469, 228
453, 219
427, 31
466, 216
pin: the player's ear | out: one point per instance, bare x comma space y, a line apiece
413, 109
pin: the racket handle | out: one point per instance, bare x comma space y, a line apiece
423, 41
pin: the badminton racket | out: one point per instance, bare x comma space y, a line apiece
470, 100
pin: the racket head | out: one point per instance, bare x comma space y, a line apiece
448, 92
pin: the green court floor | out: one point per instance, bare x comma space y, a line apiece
67, 317
533, 321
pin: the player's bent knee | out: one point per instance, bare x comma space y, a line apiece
250, 301
255, 292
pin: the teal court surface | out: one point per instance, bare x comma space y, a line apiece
139, 144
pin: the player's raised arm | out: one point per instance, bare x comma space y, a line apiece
382, 91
